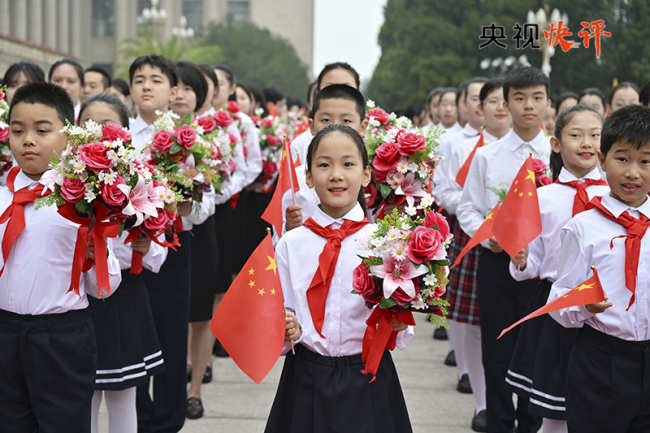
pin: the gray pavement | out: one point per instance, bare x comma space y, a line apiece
234, 403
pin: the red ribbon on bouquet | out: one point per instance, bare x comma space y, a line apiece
136, 256
379, 336
95, 229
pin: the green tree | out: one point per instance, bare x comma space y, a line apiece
258, 56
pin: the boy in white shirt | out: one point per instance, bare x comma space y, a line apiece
49, 353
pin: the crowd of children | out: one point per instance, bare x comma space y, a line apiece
146, 347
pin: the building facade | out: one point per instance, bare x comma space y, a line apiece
90, 30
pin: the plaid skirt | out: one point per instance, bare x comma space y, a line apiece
461, 291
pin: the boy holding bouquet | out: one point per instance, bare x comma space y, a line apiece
48, 360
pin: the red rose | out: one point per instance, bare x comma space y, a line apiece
112, 132
380, 115
269, 168
171, 215
185, 136
401, 297
233, 107
233, 165
543, 180
162, 141
156, 223
437, 219
256, 120
387, 157
363, 283
539, 167
379, 175
410, 143
4, 134
271, 140
268, 122
94, 155
423, 244
223, 118
73, 190
208, 123
111, 194
233, 138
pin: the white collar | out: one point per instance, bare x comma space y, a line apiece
617, 207
355, 214
567, 176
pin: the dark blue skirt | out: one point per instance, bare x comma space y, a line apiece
323, 394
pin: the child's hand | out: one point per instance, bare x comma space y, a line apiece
494, 245
398, 326
293, 327
293, 214
91, 249
520, 259
599, 307
184, 208
141, 245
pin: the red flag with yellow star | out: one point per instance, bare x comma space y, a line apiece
286, 180
484, 232
589, 292
249, 321
519, 221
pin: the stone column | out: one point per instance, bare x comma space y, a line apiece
63, 24
50, 23
5, 17
75, 27
36, 21
19, 19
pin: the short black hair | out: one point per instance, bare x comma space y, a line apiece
209, 72
230, 74
155, 61
122, 86
340, 91
644, 96
338, 65
311, 90
258, 93
567, 95
110, 100
461, 90
106, 78
273, 94
479, 80
593, 91
489, 87
629, 125
75, 64
435, 92
521, 78
245, 88
47, 94
192, 76
621, 86
32, 72
446, 90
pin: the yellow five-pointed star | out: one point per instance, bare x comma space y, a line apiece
273, 291
489, 217
251, 271
272, 265
531, 176
521, 194
261, 292
251, 284
585, 286
515, 189
516, 182
530, 194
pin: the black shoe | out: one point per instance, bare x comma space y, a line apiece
194, 408
440, 334
219, 350
450, 360
464, 387
479, 422
189, 373
207, 376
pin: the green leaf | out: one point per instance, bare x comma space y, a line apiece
175, 148
187, 119
387, 303
384, 189
121, 230
83, 206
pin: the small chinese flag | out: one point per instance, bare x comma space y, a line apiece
304, 125
286, 180
461, 177
249, 321
589, 292
484, 232
519, 221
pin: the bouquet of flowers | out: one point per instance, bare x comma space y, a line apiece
271, 132
379, 120
5, 152
541, 173
187, 159
404, 269
99, 183
402, 162
297, 122
223, 144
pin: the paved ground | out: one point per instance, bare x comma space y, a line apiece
234, 403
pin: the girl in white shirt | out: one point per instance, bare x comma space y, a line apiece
322, 388
540, 361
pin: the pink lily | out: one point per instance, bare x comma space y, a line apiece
411, 188
141, 201
397, 275
189, 169
50, 178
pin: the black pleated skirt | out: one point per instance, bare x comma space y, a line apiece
205, 265
127, 344
322, 394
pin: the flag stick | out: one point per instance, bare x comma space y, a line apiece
293, 351
293, 194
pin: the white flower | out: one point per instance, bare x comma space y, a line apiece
78, 166
374, 122
89, 196
370, 103
200, 130
410, 210
427, 201
377, 242
418, 303
430, 280
113, 156
109, 177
